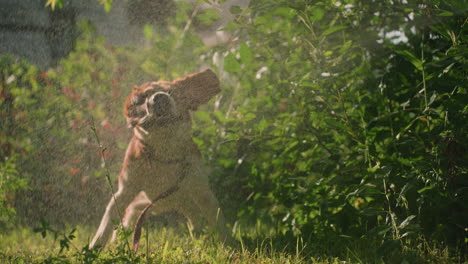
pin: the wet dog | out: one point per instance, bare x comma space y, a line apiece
163, 168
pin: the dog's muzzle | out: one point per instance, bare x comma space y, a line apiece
162, 105
161, 110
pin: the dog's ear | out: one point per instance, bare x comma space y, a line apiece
130, 109
195, 89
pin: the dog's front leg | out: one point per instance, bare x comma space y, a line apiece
209, 207
201, 206
114, 213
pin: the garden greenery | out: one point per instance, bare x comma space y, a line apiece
338, 121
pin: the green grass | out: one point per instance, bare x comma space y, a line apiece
174, 245
164, 245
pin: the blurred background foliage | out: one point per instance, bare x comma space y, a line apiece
340, 123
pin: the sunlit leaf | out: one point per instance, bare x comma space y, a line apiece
332, 30
445, 13
208, 16
346, 46
219, 117
150, 67
245, 53
317, 14
432, 98
231, 64
203, 116
107, 4
249, 116
262, 125
54, 3
406, 222
411, 58
427, 188
148, 31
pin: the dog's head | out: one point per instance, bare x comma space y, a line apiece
161, 103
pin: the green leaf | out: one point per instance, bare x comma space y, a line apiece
432, 99
285, 12
379, 230
406, 222
245, 53
219, 116
203, 116
231, 64
148, 31
411, 58
445, 13
317, 14
54, 3
332, 30
150, 67
346, 46
107, 5
208, 16
248, 117
430, 187
235, 10
262, 125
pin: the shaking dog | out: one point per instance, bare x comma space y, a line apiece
163, 168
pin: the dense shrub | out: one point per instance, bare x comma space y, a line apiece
347, 119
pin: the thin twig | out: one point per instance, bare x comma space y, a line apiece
102, 150
182, 36
423, 74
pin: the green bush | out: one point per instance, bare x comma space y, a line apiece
338, 129
10, 183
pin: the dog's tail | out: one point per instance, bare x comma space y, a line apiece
138, 226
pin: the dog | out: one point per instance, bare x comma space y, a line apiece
163, 167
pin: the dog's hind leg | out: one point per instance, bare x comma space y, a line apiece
114, 213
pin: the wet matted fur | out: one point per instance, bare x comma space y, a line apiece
162, 156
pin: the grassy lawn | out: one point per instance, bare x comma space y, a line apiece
171, 245
166, 245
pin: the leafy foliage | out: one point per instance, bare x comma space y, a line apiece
10, 183
107, 4
347, 120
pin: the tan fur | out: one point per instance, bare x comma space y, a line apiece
158, 154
